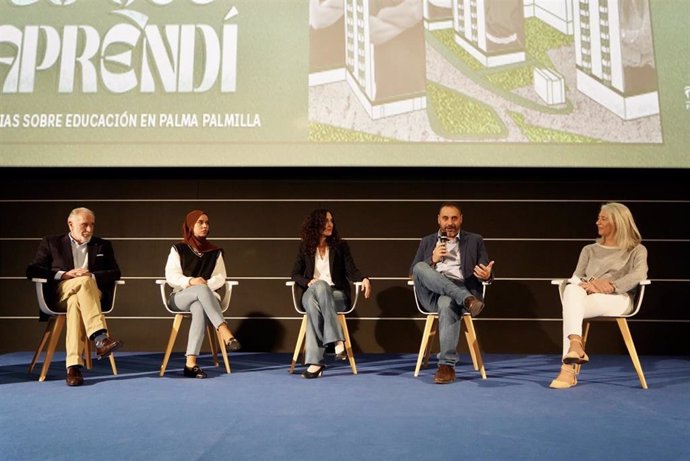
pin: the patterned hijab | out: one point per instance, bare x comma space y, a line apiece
198, 244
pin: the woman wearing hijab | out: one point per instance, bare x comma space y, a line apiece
195, 269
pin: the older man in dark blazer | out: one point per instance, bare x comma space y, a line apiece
448, 271
81, 271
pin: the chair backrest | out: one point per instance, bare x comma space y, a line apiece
224, 301
424, 311
45, 308
298, 305
637, 301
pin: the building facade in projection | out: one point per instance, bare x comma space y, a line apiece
326, 41
385, 55
492, 31
614, 54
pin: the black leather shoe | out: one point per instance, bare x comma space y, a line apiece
194, 372
74, 377
473, 305
233, 345
106, 346
311, 375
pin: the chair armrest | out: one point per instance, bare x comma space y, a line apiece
646, 282
295, 304
558, 281
225, 302
42, 305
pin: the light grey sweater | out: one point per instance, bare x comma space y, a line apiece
625, 269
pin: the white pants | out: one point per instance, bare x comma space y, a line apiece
578, 305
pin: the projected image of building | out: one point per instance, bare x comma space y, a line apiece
385, 55
556, 13
326, 41
615, 56
438, 14
492, 31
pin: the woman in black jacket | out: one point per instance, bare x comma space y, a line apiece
323, 269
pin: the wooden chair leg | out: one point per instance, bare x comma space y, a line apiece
430, 319
431, 340
585, 335
473, 345
52, 344
300, 344
627, 337
171, 341
348, 343
223, 350
212, 338
41, 345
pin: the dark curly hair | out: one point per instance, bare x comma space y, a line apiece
313, 226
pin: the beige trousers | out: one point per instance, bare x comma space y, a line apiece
80, 298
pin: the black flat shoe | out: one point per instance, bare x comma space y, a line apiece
341, 355
194, 372
233, 344
311, 375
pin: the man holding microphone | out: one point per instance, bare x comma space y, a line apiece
448, 272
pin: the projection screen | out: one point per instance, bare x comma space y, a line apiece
553, 83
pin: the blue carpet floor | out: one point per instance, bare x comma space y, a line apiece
384, 413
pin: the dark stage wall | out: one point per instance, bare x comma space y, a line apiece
534, 221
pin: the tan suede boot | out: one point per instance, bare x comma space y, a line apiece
566, 379
576, 352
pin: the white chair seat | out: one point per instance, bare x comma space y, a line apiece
51, 334
622, 322
177, 322
299, 347
430, 328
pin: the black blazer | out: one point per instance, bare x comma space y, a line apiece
343, 269
55, 254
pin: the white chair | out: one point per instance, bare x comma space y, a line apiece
51, 335
622, 325
299, 347
177, 322
430, 332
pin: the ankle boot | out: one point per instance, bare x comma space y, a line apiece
565, 379
576, 352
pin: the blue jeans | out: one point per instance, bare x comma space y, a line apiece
437, 293
202, 303
322, 304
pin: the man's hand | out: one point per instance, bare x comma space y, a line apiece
366, 288
483, 272
439, 253
74, 273
198, 281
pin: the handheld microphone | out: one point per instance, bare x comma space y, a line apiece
443, 238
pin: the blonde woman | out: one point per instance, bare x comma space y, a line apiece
604, 283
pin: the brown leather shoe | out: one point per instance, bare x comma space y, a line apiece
473, 305
74, 377
106, 346
444, 375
